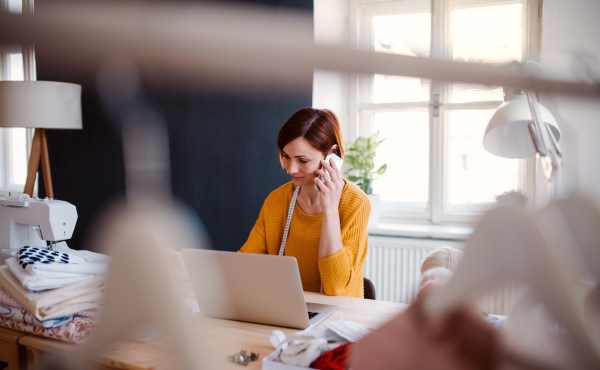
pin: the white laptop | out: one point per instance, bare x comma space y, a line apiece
256, 288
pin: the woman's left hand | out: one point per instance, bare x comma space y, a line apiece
331, 191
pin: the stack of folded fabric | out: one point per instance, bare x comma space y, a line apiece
49, 293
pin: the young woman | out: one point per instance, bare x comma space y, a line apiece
328, 228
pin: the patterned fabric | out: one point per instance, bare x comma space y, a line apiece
339, 274
53, 264
29, 256
336, 359
93, 312
77, 331
21, 315
6, 299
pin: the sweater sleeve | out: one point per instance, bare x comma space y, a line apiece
257, 241
340, 270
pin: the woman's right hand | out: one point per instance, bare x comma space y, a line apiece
331, 191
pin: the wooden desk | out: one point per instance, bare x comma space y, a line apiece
10, 351
225, 338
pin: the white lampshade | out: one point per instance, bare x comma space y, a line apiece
507, 134
40, 104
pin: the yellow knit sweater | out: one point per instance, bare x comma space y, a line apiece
342, 272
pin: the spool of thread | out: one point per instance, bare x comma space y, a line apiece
19, 198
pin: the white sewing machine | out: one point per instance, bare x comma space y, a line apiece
26, 221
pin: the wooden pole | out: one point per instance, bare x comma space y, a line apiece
46, 164
34, 162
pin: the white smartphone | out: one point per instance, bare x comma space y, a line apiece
338, 163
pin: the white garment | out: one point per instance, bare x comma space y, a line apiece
55, 303
88, 268
41, 282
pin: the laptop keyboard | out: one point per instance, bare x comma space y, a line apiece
312, 314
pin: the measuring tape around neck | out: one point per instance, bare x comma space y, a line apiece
289, 220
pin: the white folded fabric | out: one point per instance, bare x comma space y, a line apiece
41, 274
39, 282
55, 303
88, 268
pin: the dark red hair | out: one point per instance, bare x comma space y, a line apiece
320, 127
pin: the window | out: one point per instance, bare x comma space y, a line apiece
438, 171
15, 142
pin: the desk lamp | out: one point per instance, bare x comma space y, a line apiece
41, 105
521, 127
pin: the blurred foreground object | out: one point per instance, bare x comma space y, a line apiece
41, 105
552, 251
220, 46
141, 289
460, 339
141, 297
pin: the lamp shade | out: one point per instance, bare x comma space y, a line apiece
507, 134
40, 104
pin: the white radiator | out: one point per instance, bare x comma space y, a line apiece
394, 266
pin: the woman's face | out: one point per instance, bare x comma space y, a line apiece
301, 161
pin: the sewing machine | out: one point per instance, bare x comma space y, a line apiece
26, 221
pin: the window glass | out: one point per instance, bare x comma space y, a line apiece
406, 34
15, 6
15, 67
406, 153
473, 174
18, 138
485, 34
462, 171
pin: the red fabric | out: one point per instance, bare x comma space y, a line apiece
336, 359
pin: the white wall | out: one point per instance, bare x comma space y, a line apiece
572, 27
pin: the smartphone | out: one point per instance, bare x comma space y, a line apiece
338, 163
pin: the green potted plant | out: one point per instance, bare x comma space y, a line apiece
361, 169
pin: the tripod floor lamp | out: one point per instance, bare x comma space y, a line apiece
41, 105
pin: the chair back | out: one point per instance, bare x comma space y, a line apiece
369, 289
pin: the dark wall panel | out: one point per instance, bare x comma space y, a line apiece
224, 159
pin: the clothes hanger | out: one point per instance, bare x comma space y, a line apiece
512, 244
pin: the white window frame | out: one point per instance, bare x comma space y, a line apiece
360, 119
7, 184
